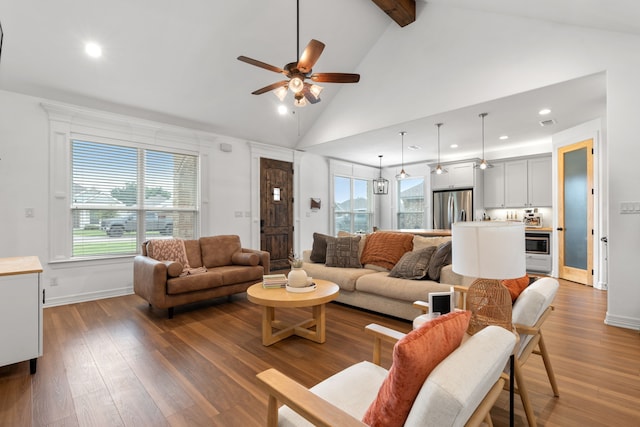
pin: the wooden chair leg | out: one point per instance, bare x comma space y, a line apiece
547, 365
524, 395
488, 420
272, 412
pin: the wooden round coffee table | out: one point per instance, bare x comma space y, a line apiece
269, 299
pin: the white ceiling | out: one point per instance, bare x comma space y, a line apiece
176, 62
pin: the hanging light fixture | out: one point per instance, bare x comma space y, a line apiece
439, 170
483, 164
380, 185
402, 174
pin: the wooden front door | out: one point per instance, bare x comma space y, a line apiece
276, 211
575, 212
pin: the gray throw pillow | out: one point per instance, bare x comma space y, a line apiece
343, 252
413, 264
439, 259
319, 248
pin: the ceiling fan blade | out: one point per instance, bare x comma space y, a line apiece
335, 77
270, 87
310, 56
261, 64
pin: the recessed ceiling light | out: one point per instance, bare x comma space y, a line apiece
454, 146
503, 137
414, 147
544, 111
282, 109
93, 50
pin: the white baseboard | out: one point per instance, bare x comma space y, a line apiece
622, 322
90, 296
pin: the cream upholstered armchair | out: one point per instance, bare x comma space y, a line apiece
530, 310
459, 391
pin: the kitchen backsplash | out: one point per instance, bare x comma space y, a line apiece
518, 214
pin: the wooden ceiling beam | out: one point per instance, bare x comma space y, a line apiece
401, 11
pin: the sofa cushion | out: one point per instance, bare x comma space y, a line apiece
516, 286
363, 240
245, 258
385, 249
421, 242
233, 274
218, 250
413, 264
319, 248
414, 357
439, 259
190, 283
398, 289
343, 252
344, 277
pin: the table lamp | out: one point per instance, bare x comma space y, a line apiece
489, 251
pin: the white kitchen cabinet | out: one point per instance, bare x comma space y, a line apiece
527, 183
494, 186
515, 184
460, 175
539, 172
21, 300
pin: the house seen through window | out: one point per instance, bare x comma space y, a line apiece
353, 208
122, 196
411, 206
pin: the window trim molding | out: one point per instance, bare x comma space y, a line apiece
67, 122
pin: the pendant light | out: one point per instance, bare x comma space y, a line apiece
439, 170
402, 174
483, 164
380, 185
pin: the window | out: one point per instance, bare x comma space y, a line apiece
411, 206
352, 201
124, 195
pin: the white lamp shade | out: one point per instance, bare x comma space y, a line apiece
489, 250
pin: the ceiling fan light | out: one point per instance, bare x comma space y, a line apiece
296, 84
300, 102
315, 90
281, 92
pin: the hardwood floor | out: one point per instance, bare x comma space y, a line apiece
115, 362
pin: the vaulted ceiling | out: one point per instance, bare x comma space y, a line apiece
175, 62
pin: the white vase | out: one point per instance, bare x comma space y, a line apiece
297, 278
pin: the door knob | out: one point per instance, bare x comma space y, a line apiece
560, 229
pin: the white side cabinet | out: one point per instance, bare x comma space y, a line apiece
21, 300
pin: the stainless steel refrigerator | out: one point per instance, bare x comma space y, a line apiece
451, 206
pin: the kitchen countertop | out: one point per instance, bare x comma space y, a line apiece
541, 229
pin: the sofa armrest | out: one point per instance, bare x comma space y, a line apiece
297, 397
448, 277
150, 280
265, 258
306, 255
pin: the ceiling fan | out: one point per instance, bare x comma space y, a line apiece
297, 72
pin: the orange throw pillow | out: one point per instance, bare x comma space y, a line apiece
386, 249
414, 357
516, 286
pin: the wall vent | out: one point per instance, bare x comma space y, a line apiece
547, 122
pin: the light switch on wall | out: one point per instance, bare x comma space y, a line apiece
630, 207
28, 212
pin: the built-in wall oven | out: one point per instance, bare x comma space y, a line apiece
537, 243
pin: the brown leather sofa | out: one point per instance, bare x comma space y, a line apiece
220, 266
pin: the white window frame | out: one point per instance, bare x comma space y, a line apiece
425, 202
67, 123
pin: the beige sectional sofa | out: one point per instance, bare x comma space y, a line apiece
371, 287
